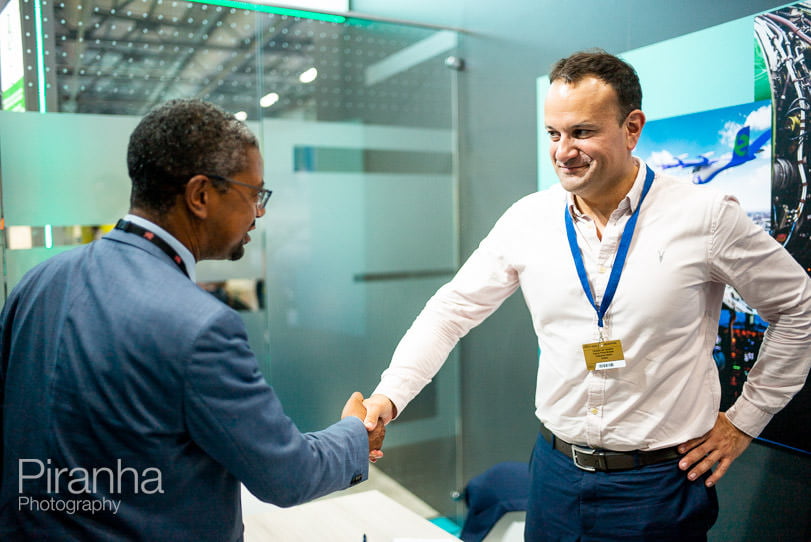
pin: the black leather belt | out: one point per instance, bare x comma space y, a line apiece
592, 460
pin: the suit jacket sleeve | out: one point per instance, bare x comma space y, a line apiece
236, 417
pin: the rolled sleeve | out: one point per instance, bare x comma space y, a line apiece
770, 280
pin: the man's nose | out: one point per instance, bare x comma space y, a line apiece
565, 150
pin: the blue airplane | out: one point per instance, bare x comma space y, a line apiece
743, 151
702, 160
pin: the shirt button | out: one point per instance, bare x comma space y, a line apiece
594, 411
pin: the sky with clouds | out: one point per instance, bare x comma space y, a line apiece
712, 134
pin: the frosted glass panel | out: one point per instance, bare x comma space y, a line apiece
64, 169
351, 258
60, 172
362, 226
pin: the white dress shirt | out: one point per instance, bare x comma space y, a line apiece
689, 242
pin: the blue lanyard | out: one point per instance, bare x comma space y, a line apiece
619, 260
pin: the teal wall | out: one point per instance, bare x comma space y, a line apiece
510, 44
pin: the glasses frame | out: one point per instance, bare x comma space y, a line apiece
262, 195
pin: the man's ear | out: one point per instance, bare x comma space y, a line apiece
197, 196
633, 125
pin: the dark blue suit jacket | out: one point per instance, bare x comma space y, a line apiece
122, 381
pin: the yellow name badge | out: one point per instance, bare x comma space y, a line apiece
604, 355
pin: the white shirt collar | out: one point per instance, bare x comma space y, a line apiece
184, 253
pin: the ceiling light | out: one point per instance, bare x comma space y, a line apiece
308, 76
269, 99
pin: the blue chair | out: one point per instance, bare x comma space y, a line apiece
502, 488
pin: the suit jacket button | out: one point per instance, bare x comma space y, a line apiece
356, 479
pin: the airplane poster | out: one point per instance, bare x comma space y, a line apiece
730, 149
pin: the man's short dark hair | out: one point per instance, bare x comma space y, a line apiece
615, 72
181, 139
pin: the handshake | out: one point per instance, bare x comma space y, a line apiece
375, 412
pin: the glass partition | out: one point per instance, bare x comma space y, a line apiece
357, 125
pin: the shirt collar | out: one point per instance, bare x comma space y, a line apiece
184, 253
635, 193
631, 199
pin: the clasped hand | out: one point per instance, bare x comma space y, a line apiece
355, 407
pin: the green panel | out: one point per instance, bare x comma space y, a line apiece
763, 89
14, 96
236, 4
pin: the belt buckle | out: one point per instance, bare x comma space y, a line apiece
584, 451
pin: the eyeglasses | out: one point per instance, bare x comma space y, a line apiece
262, 196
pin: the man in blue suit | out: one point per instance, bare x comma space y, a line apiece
132, 405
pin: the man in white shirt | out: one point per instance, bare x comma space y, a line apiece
623, 271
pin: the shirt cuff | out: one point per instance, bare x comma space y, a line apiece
747, 417
395, 395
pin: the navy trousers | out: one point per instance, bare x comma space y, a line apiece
652, 503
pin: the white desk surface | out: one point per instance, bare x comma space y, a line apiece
341, 519
510, 528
